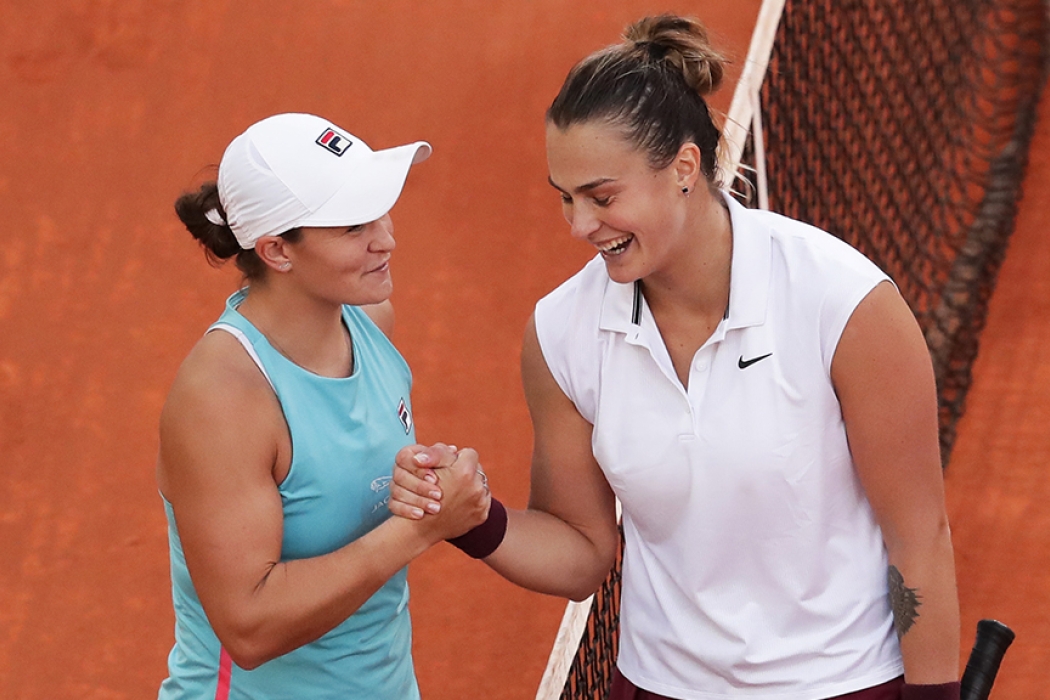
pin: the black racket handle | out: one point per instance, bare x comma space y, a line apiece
993, 638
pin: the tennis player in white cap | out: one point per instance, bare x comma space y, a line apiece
281, 428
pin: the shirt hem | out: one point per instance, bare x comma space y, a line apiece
872, 679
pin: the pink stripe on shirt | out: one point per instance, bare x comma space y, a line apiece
222, 692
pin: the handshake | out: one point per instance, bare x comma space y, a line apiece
447, 492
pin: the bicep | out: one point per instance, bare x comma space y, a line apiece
566, 480
217, 452
884, 380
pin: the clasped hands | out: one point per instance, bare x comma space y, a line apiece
442, 487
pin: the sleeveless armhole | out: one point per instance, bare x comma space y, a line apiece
550, 334
863, 277
556, 317
247, 344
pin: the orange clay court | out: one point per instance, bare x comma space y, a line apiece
109, 110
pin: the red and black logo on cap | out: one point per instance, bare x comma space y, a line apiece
333, 141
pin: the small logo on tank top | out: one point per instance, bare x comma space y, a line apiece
379, 485
405, 416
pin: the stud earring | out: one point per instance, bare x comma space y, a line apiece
286, 266
685, 191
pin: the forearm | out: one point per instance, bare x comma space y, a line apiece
298, 601
545, 554
928, 624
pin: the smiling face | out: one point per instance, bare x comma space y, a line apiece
615, 200
345, 265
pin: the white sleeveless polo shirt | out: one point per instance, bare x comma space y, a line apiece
753, 564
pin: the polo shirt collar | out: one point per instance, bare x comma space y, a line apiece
748, 285
618, 307
750, 269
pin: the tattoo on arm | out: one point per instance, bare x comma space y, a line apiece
904, 601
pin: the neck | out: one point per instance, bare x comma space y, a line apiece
306, 330
697, 279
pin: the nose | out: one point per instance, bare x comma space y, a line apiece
384, 238
582, 222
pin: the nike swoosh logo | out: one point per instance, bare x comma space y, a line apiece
744, 364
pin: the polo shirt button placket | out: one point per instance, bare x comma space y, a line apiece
689, 434
697, 388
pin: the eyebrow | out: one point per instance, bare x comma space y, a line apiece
584, 187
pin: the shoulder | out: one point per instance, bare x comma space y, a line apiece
217, 379
590, 275
810, 248
567, 329
221, 420
572, 311
579, 296
808, 266
799, 254
816, 279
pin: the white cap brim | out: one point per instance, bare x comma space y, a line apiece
371, 189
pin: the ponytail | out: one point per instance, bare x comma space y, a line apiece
202, 214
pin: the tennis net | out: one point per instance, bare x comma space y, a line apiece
903, 127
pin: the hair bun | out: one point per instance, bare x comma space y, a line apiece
684, 43
193, 210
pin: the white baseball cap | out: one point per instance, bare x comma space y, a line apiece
292, 170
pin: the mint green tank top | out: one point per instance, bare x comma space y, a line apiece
344, 434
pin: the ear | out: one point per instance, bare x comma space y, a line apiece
686, 166
272, 250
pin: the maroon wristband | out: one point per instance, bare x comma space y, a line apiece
940, 691
486, 537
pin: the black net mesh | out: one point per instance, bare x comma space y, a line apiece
591, 672
903, 127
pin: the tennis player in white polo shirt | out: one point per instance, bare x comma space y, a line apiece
756, 394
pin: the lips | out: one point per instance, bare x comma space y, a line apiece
383, 267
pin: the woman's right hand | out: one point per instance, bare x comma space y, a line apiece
443, 488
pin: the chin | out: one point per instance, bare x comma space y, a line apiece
365, 300
621, 274
367, 294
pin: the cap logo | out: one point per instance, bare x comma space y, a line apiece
334, 142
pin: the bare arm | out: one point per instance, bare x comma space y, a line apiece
219, 451
565, 542
884, 380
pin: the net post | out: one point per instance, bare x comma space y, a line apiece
741, 109
758, 139
570, 632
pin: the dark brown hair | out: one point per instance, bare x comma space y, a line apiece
653, 85
218, 241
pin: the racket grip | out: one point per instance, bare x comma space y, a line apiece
993, 638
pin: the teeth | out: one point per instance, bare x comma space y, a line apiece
615, 246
